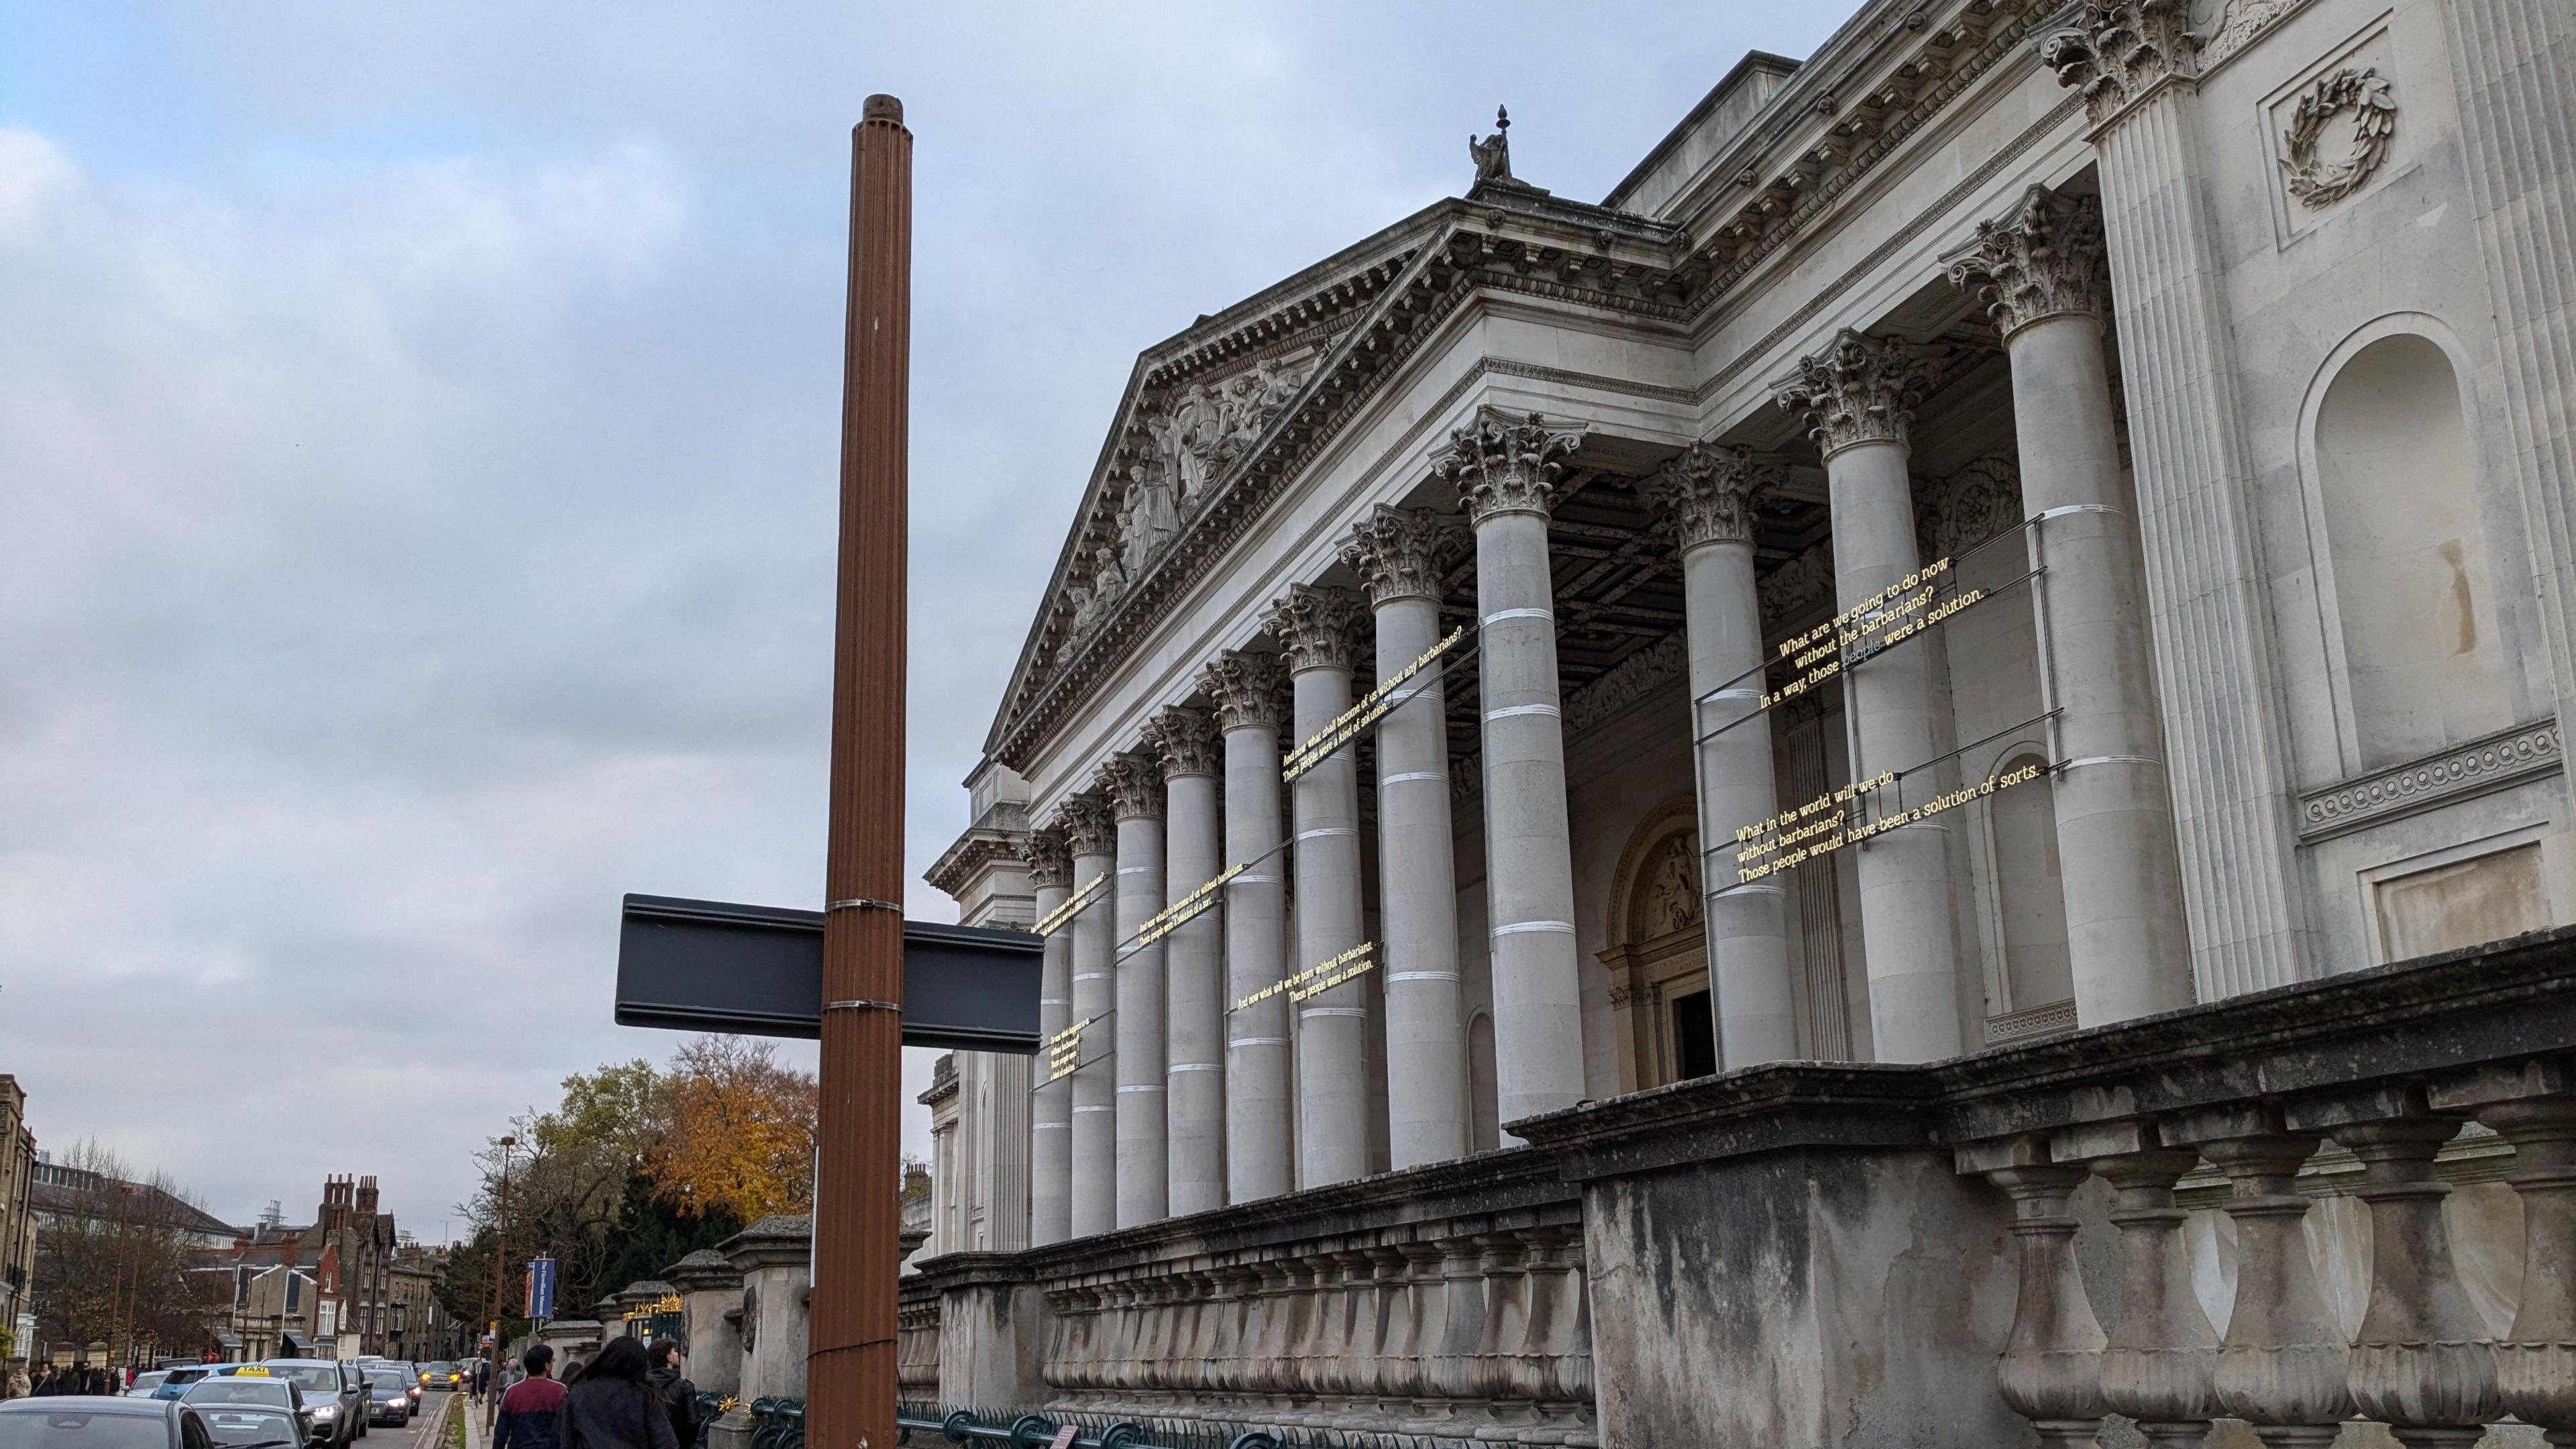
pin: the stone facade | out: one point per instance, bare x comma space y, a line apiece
2029, 521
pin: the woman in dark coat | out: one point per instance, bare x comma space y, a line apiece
612, 1407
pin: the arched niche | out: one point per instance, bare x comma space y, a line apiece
1658, 954
2411, 593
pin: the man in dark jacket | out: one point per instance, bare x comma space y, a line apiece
677, 1393
528, 1410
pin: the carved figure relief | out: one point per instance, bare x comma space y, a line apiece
2317, 179
1970, 506
1672, 887
1208, 425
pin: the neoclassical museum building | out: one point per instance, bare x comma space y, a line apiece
1902, 784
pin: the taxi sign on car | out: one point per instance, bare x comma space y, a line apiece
251, 1371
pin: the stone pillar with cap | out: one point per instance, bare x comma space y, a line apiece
1050, 861
1504, 469
1705, 497
2048, 289
1185, 745
1398, 553
1857, 396
1134, 785
1318, 630
1246, 688
1093, 838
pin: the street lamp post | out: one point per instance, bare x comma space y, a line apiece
500, 1260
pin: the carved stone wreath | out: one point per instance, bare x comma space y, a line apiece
2319, 184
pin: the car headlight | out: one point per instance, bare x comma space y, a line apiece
325, 1411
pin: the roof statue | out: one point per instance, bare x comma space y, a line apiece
1494, 153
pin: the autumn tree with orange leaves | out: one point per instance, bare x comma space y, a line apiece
738, 1137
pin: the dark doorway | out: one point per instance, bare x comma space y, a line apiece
1694, 1037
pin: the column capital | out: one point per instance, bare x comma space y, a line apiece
1505, 463
1088, 827
1133, 784
1318, 628
1246, 688
1859, 389
2119, 50
1048, 852
1184, 741
1399, 552
2044, 258
1705, 494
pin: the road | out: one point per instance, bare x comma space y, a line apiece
425, 1426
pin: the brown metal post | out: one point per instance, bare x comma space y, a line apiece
849, 1372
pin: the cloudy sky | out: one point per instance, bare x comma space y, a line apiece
417, 468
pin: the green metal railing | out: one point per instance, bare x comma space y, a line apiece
918, 1422
777, 1423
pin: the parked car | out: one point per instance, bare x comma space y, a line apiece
60, 1421
251, 1426
254, 1388
388, 1396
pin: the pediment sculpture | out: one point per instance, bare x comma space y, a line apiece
1208, 425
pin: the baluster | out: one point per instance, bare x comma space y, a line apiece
2163, 1355
1542, 1338
1297, 1338
2051, 1368
1506, 1325
1387, 1367
1574, 1369
1462, 1323
2536, 1364
1426, 1294
2283, 1363
2421, 1364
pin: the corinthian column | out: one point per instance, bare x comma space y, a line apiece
1398, 553
1706, 497
1093, 837
1134, 785
2123, 885
1185, 740
1051, 1112
1505, 470
1858, 396
1246, 690
2233, 811
1317, 629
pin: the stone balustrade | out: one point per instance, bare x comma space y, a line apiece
2424, 1359
916, 1342
1449, 1301
2274, 1219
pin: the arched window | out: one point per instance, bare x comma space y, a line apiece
2397, 479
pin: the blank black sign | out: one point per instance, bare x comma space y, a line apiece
758, 971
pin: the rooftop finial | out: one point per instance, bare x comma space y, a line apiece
1493, 154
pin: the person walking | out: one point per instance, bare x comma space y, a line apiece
679, 1396
612, 1407
44, 1382
482, 1378
19, 1387
530, 1407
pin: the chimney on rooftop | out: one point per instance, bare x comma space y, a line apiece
367, 1193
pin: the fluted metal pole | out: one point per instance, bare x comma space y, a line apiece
850, 1351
